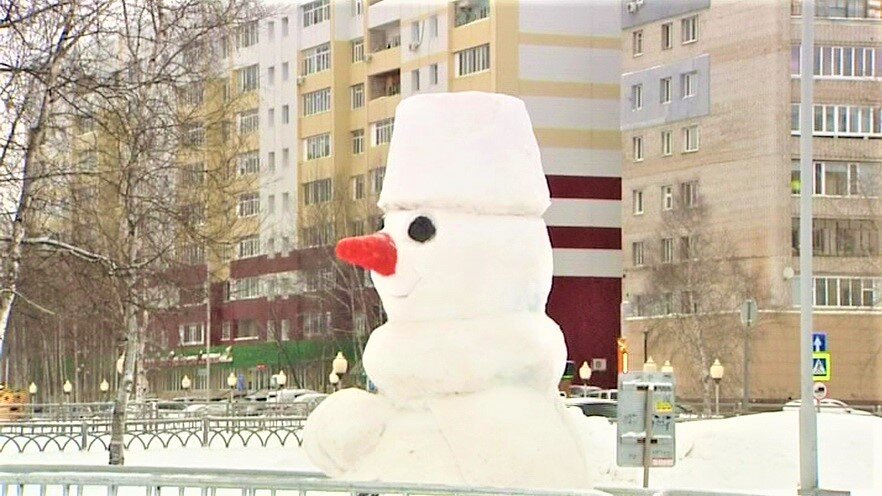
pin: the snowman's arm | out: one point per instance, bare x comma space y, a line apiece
345, 426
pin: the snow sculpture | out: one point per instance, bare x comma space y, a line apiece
468, 363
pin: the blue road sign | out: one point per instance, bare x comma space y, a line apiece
819, 342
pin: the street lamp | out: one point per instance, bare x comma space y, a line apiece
281, 379
667, 367
231, 382
585, 373
32, 389
335, 380
104, 387
650, 365
716, 373
186, 383
340, 365
67, 387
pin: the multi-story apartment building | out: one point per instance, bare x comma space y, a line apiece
327, 77
359, 59
709, 106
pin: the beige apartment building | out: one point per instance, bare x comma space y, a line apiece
709, 106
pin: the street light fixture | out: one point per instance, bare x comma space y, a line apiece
32, 389
186, 383
667, 367
585, 373
281, 379
231, 382
340, 365
104, 387
334, 379
716, 373
650, 365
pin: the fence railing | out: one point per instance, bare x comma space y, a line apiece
85, 435
150, 410
133, 481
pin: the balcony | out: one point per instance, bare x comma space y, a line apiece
385, 37
469, 11
384, 84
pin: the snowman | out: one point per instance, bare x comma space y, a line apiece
467, 365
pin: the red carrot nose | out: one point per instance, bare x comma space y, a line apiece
376, 252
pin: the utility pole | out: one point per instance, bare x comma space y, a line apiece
808, 420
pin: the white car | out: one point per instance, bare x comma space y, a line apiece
829, 406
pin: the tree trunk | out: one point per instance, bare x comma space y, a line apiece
118, 421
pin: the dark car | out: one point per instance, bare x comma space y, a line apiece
595, 407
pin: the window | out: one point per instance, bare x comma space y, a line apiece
667, 36
845, 292
667, 250
688, 82
319, 191
839, 62
317, 146
316, 12
473, 60
357, 7
285, 72
284, 26
637, 43
271, 205
190, 334
690, 138
317, 102
247, 34
285, 330
249, 163
249, 247
356, 95
193, 254
357, 141
271, 75
271, 324
271, 30
637, 202
286, 114
358, 50
249, 204
193, 173
433, 74
689, 26
194, 135
382, 131
317, 59
689, 194
842, 179
688, 303
249, 78
246, 289
357, 185
637, 148
433, 26
226, 331
249, 121
415, 80
637, 254
375, 176
666, 304
285, 157
321, 235
192, 94
841, 120
841, 237
667, 197
636, 97
271, 117
667, 143
664, 90
286, 204
415, 31
687, 247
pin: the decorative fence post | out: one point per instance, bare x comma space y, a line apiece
204, 431
84, 429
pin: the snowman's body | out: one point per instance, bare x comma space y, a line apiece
468, 364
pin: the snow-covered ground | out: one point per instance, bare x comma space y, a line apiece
756, 453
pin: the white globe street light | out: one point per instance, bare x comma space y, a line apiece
334, 379
281, 379
716, 373
67, 387
340, 365
585, 372
650, 365
667, 367
186, 383
32, 389
104, 386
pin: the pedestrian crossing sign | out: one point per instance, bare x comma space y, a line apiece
821, 366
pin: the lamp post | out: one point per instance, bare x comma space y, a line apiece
281, 379
66, 388
650, 365
667, 367
231, 382
716, 373
32, 390
334, 379
104, 387
340, 365
585, 373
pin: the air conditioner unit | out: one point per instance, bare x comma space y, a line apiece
414, 45
301, 80
632, 7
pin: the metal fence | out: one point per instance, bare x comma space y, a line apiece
89, 434
150, 410
37, 480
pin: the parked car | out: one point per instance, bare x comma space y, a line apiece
217, 409
594, 407
606, 394
311, 400
289, 395
829, 406
580, 391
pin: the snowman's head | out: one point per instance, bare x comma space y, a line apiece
441, 264
464, 193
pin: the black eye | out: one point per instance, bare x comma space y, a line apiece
421, 229
380, 224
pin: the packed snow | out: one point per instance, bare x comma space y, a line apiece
755, 453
